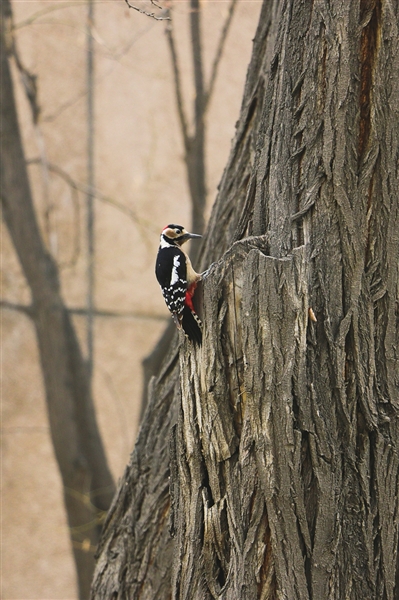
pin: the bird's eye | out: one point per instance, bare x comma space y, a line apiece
178, 230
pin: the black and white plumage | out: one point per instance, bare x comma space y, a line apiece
178, 280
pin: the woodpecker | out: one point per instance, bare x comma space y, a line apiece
178, 280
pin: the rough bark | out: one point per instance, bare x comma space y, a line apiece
87, 483
284, 450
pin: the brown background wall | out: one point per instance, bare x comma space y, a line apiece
138, 164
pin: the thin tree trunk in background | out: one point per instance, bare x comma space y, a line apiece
194, 142
195, 152
87, 483
91, 188
284, 431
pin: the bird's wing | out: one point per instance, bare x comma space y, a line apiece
172, 277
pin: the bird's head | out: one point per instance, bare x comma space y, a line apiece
176, 235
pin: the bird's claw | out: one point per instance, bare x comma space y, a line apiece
206, 273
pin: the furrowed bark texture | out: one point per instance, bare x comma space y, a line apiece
284, 453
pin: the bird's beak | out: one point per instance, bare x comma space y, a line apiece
189, 236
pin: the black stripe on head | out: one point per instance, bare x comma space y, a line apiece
173, 226
172, 232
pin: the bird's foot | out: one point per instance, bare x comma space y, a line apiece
208, 270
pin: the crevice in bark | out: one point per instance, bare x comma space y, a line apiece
370, 20
322, 69
309, 485
267, 584
368, 255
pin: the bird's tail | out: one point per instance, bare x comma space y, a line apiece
192, 325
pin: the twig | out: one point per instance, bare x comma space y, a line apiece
219, 53
177, 80
157, 5
148, 14
53, 116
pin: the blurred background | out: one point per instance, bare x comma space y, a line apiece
139, 184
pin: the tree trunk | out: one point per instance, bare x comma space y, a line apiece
284, 431
87, 482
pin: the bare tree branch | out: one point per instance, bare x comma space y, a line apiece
64, 106
156, 4
144, 316
24, 308
219, 53
177, 82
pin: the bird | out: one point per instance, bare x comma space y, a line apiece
178, 280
